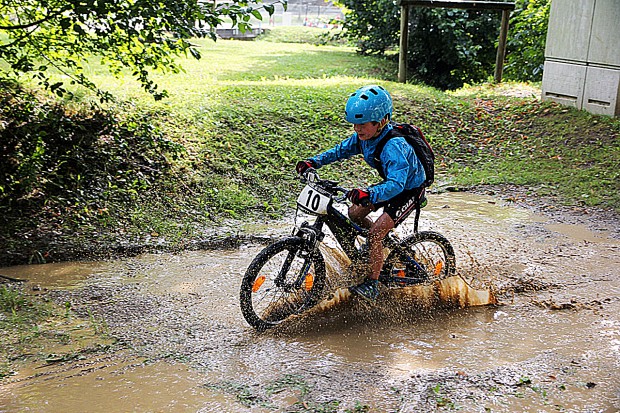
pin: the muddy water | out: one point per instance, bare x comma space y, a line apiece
552, 345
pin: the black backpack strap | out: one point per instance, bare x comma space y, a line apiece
379, 151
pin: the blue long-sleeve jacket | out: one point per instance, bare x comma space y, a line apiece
402, 168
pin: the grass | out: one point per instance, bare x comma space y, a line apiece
559, 151
296, 34
225, 144
247, 111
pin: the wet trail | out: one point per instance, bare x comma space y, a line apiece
553, 343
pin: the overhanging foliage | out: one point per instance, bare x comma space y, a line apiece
450, 47
141, 35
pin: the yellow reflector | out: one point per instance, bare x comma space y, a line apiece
257, 283
438, 267
309, 282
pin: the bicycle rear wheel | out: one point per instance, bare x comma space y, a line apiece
423, 257
284, 279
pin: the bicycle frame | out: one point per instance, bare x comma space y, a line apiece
345, 231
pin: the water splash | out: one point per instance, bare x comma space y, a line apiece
451, 292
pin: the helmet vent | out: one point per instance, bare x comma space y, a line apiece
368, 104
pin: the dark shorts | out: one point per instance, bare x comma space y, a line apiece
403, 204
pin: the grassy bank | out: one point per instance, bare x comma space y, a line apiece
225, 143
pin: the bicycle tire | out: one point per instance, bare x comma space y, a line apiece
431, 251
265, 304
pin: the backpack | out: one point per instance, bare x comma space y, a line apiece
414, 136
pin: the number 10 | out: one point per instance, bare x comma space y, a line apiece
316, 200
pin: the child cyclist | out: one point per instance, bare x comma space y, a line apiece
369, 109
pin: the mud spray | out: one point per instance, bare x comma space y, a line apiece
393, 303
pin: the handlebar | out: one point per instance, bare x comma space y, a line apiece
311, 176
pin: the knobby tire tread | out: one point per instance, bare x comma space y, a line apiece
291, 244
433, 237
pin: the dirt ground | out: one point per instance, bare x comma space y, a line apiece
180, 343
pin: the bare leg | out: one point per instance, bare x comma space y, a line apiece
359, 215
378, 231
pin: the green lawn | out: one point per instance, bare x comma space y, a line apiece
238, 119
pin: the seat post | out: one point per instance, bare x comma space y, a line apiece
417, 217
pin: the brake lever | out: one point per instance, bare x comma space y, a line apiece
343, 197
311, 175
306, 175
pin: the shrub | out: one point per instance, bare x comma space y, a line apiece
447, 47
49, 153
526, 42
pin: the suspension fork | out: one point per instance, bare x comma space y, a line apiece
311, 235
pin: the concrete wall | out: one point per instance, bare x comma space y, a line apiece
582, 57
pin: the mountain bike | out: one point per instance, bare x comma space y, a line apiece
288, 276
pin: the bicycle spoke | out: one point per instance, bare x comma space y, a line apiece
428, 256
280, 282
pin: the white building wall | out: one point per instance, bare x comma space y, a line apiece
582, 56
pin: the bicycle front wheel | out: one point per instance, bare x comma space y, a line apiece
284, 279
423, 257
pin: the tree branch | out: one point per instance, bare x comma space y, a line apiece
34, 23
15, 41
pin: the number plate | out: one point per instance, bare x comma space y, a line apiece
312, 201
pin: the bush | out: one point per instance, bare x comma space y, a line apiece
50, 155
372, 31
526, 42
447, 47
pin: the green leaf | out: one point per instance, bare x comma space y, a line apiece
65, 23
56, 86
195, 53
79, 29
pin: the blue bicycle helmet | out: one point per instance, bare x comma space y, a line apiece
368, 104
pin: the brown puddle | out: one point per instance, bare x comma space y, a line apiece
410, 352
57, 275
105, 385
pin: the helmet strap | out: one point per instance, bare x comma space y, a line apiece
383, 122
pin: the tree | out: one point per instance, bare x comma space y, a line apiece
142, 35
374, 25
526, 45
447, 47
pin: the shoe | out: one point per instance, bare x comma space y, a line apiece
368, 290
423, 201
